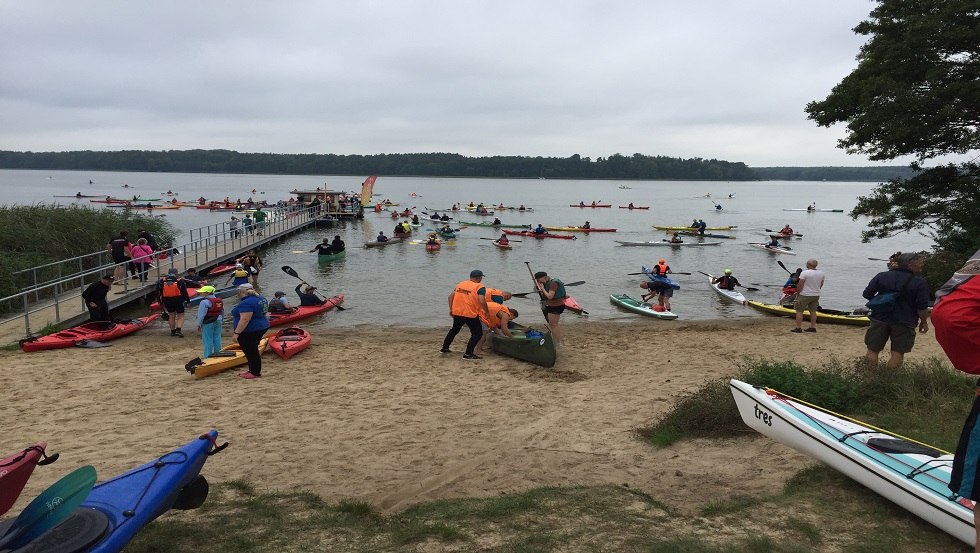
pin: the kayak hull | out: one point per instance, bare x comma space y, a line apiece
376, 244
634, 207
662, 243
99, 331
912, 475
688, 228
590, 205
304, 311
289, 341
823, 315
433, 247
502, 246
730, 295
640, 307
330, 258
530, 234
539, 350
772, 250
231, 357
705, 235
15, 470
580, 229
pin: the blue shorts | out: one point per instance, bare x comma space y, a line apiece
965, 478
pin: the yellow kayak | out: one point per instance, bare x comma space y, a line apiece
229, 357
823, 315
694, 229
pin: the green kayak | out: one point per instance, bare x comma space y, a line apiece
538, 348
641, 307
332, 257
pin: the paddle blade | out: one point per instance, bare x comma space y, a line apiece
783, 266
50, 508
289, 271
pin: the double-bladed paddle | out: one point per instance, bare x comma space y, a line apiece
289, 271
647, 273
508, 241
780, 232
749, 288
50, 508
525, 294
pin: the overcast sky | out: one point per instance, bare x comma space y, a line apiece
709, 78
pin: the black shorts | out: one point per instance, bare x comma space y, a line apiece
556, 309
902, 337
173, 305
119, 258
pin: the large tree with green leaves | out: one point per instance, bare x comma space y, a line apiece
916, 91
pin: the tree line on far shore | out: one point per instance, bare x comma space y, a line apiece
616, 166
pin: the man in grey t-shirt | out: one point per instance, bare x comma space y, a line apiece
808, 295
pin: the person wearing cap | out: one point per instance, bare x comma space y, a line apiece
280, 304
552, 292
910, 309
173, 295
661, 269
467, 304
95, 298
239, 276
210, 313
307, 295
726, 282
249, 324
808, 295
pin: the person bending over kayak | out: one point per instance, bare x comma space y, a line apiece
662, 290
307, 296
727, 282
497, 321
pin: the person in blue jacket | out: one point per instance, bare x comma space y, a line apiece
249, 322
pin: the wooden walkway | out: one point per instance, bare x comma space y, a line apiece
203, 252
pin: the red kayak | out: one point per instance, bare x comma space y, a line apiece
573, 306
589, 205
191, 293
17, 469
433, 247
289, 341
99, 331
221, 269
634, 207
531, 234
304, 311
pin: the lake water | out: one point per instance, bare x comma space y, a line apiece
403, 285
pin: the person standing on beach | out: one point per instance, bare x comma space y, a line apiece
910, 307
95, 299
467, 303
210, 313
249, 322
956, 318
552, 292
173, 295
808, 295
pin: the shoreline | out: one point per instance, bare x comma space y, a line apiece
379, 415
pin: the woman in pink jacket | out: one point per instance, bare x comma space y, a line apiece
142, 258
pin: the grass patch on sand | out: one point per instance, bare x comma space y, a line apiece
925, 400
818, 511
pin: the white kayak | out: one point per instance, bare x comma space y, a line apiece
733, 295
782, 249
663, 243
914, 476
813, 210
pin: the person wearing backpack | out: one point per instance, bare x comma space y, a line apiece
897, 320
956, 318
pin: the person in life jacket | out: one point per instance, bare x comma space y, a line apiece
790, 286
497, 320
210, 313
239, 276
661, 268
280, 304
467, 303
552, 292
727, 282
786, 229
173, 294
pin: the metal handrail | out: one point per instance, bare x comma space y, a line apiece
217, 238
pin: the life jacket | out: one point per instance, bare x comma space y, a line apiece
217, 307
276, 306
466, 300
241, 273
170, 288
560, 293
726, 282
661, 269
494, 308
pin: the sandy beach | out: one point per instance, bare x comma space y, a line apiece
381, 416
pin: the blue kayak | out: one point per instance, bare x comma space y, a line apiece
117, 509
666, 280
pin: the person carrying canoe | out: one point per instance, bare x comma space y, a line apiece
467, 303
280, 304
552, 292
661, 269
726, 282
210, 313
173, 295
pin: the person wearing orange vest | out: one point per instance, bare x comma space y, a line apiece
497, 320
210, 313
467, 304
173, 294
661, 268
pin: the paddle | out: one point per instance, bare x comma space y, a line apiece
495, 239
50, 508
525, 294
289, 271
780, 232
783, 266
672, 272
540, 293
877, 259
749, 288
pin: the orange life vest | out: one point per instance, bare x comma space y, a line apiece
466, 299
495, 309
661, 269
171, 288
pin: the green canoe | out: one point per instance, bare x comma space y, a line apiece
332, 257
641, 307
539, 350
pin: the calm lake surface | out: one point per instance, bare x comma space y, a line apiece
403, 285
